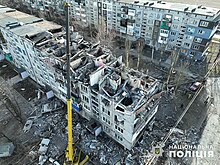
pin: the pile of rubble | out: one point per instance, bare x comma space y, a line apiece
49, 124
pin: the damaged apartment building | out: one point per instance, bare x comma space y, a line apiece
123, 101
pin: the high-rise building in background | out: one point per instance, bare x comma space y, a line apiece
162, 25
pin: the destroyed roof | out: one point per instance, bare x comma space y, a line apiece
89, 62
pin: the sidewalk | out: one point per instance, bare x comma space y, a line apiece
210, 135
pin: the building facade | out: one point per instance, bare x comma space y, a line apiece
122, 101
163, 25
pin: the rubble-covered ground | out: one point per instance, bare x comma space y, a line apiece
101, 150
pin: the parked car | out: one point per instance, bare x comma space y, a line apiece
195, 86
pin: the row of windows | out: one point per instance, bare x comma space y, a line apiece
192, 30
85, 98
106, 120
204, 24
118, 137
84, 88
119, 129
106, 111
192, 53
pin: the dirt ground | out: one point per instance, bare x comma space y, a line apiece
11, 128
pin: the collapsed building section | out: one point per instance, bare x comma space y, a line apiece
122, 101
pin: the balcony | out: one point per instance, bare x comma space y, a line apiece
165, 25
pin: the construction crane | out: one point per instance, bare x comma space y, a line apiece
72, 157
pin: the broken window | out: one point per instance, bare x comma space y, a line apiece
120, 109
201, 32
196, 47
186, 44
123, 22
172, 33
106, 102
192, 53
83, 88
85, 98
191, 30
118, 137
204, 23
198, 40
106, 120
126, 101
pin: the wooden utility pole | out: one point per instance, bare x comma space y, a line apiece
183, 67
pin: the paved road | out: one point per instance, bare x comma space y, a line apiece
211, 133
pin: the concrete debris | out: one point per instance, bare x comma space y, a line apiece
103, 158
53, 161
27, 126
42, 159
44, 146
52, 106
4, 66
93, 145
129, 160
33, 154
6, 149
177, 130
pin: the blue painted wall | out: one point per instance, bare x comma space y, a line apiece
206, 35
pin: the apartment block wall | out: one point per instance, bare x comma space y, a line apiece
25, 55
161, 28
117, 120
147, 21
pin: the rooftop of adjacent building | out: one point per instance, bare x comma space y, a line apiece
182, 7
24, 24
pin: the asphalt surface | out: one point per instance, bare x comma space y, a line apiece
211, 132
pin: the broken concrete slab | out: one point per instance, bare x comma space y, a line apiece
6, 149
27, 126
52, 106
42, 159
44, 146
54, 161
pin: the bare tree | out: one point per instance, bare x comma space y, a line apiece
140, 47
174, 59
180, 78
104, 35
127, 50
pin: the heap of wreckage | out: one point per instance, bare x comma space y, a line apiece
117, 100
